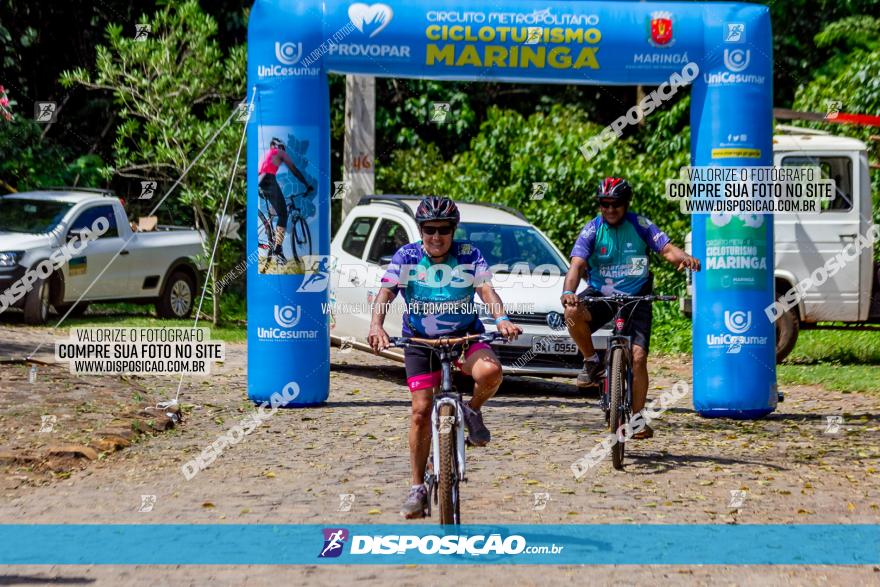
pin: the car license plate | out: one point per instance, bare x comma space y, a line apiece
554, 347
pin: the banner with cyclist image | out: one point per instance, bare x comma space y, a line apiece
286, 214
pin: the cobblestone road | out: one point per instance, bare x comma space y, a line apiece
788, 468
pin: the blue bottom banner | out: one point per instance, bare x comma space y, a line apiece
628, 544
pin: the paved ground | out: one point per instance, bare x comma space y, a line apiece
789, 468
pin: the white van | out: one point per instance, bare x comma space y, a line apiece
804, 242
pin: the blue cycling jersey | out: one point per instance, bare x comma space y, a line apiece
439, 296
617, 256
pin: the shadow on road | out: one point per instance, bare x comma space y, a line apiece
665, 462
403, 403
37, 580
17, 350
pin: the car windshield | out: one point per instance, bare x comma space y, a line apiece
510, 245
32, 216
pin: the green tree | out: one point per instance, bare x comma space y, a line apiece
511, 152
851, 77
32, 161
172, 92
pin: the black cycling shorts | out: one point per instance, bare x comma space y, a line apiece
637, 316
423, 364
270, 190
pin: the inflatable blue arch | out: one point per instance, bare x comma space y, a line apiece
294, 45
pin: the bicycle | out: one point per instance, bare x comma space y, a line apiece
299, 235
446, 463
616, 379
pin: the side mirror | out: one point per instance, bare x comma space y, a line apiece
385, 261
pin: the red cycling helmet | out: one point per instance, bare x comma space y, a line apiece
614, 188
437, 208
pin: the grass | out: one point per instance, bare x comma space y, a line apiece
232, 327
847, 379
840, 360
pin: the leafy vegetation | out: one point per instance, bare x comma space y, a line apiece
174, 90
129, 111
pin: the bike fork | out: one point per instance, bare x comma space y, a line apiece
456, 425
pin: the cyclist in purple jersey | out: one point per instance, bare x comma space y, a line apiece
438, 278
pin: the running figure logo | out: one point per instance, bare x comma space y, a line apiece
142, 32
334, 539
148, 189
539, 189
735, 33
319, 279
440, 111
45, 111
147, 503
833, 424
340, 189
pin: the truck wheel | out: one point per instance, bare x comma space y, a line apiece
177, 298
36, 303
787, 327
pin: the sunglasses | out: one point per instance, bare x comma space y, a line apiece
441, 230
614, 204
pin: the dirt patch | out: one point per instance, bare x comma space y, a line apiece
52, 422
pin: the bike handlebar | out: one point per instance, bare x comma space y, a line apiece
626, 299
401, 341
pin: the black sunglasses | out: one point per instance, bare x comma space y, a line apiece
442, 230
613, 204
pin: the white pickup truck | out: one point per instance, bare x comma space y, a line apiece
158, 266
804, 242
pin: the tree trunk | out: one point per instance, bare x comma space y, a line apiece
359, 156
640, 95
212, 271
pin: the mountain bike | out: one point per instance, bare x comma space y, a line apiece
446, 463
299, 235
616, 378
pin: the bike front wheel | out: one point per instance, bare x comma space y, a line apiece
265, 239
447, 478
300, 238
616, 383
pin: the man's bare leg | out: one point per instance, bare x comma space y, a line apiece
420, 433
485, 368
577, 318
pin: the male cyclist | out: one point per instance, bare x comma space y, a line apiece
271, 191
613, 249
440, 270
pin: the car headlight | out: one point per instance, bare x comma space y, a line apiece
10, 258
